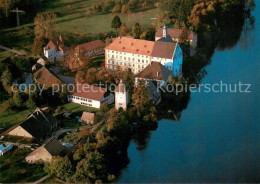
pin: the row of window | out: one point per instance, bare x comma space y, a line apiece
125, 64
79, 98
124, 53
128, 59
87, 104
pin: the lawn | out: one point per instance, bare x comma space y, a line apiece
77, 108
10, 118
14, 168
73, 18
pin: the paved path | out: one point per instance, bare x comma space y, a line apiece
42, 179
61, 131
13, 51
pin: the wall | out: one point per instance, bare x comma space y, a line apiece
39, 155
178, 59
19, 131
136, 62
121, 100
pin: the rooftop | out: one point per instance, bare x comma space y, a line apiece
45, 77
89, 91
89, 46
175, 33
131, 45
155, 71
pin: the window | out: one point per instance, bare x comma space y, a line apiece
133, 59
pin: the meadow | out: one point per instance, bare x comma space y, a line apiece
73, 18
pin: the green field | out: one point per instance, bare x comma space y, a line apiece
76, 108
10, 118
14, 168
74, 19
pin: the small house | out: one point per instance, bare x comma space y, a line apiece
55, 49
45, 153
88, 117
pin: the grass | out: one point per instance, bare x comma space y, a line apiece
10, 118
77, 108
14, 168
4, 54
74, 19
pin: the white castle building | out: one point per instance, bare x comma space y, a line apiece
127, 52
121, 96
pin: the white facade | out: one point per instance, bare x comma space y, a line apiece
136, 62
90, 102
53, 54
121, 100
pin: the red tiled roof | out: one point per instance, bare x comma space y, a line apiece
174, 33
131, 45
89, 91
57, 43
163, 49
44, 77
155, 71
90, 46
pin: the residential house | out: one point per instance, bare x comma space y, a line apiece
121, 96
90, 49
175, 34
90, 95
88, 117
47, 78
135, 54
38, 126
55, 49
155, 71
45, 152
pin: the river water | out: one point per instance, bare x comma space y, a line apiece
218, 135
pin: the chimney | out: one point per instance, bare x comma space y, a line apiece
157, 74
165, 31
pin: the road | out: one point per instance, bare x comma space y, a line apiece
13, 51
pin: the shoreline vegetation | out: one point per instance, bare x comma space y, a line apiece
100, 156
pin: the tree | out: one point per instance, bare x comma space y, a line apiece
38, 44
140, 98
6, 5
44, 23
136, 31
123, 30
133, 4
91, 168
184, 42
60, 167
116, 9
116, 22
125, 9
6, 79
18, 99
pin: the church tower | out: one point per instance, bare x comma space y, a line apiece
121, 96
